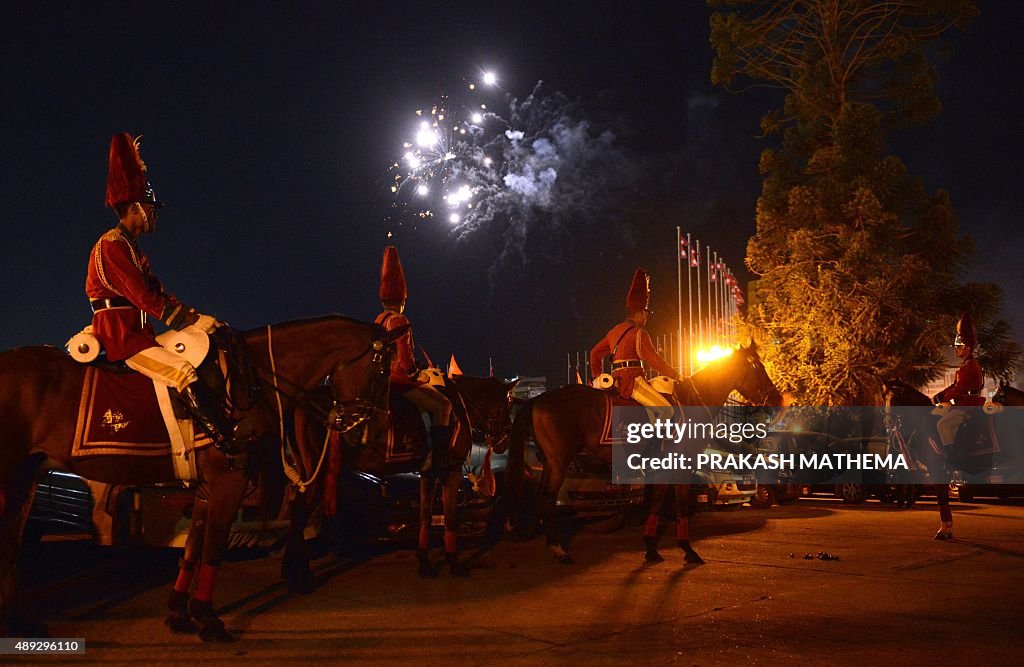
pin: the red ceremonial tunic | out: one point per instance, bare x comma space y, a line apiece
967, 384
117, 268
403, 364
630, 343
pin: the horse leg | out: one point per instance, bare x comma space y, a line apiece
15, 505
682, 501
295, 563
179, 620
427, 486
547, 495
658, 492
226, 490
945, 514
450, 499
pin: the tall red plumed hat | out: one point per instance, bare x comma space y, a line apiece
639, 292
126, 176
392, 278
965, 332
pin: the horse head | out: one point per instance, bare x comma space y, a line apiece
489, 401
896, 392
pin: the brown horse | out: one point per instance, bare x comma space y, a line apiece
1007, 395
481, 406
566, 420
40, 391
914, 433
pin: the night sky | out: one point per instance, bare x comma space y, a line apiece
269, 130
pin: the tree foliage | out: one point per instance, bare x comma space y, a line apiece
857, 264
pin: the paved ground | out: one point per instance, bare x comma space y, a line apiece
894, 596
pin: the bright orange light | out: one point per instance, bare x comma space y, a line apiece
716, 352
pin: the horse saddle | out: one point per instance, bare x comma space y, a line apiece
976, 436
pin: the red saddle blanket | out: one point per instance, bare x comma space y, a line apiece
119, 414
612, 399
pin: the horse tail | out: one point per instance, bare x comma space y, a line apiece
522, 429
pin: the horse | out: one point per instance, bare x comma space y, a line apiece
481, 406
566, 420
1007, 395
40, 392
915, 435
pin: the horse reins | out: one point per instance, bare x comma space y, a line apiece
333, 415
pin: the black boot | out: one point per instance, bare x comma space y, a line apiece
689, 555
652, 555
439, 459
207, 413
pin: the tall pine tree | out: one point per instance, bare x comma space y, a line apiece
857, 265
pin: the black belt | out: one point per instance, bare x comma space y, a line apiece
632, 363
113, 302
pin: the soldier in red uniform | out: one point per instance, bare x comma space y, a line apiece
123, 293
393, 293
965, 391
630, 347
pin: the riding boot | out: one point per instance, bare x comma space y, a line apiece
179, 620
689, 555
205, 412
439, 458
945, 531
652, 555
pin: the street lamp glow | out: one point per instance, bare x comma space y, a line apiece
716, 352
422, 190
490, 79
414, 162
478, 118
454, 218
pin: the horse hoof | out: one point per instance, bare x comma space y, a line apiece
943, 535
214, 632
427, 571
692, 558
653, 556
565, 559
181, 625
456, 568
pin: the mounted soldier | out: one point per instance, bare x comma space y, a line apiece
439, 464
630, 347
124, 293
967, 383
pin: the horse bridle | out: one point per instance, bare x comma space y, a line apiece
494, 433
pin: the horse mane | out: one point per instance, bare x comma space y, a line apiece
305, 321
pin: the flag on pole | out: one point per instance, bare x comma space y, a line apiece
453, 368
682, 248
695, 257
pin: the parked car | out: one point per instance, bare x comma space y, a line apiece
62, 506
387, 509
588, 493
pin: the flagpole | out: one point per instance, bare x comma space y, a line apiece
710, 340
679, 292
689, 304
700, 307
